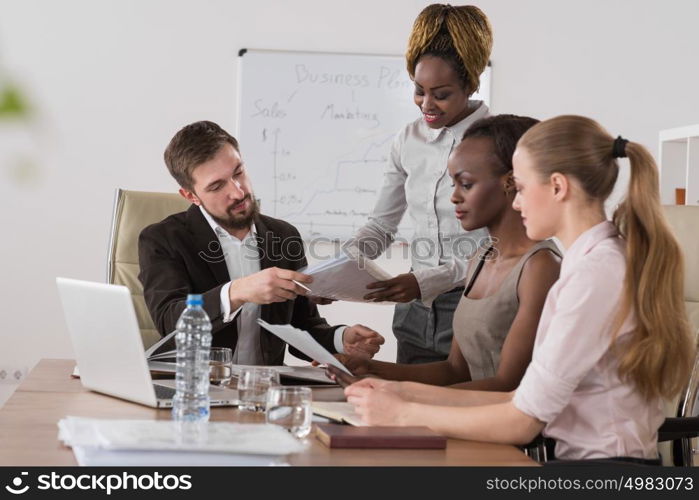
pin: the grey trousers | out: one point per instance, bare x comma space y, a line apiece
424, 333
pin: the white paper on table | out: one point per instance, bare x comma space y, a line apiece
164, 435
303, 341
306, 373
99, 457
345, 277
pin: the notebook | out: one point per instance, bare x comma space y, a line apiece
347, 436
341, 412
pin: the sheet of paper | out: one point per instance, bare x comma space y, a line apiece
159, 345
97, 442
162, 366
310, 373
163, 435
303, 341
98, 457
345, 278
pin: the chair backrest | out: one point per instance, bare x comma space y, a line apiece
684, 221
133, 211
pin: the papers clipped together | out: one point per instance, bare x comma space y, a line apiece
102, 442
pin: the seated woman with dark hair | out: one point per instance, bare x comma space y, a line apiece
508, 279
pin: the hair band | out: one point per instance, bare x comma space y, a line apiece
619, 148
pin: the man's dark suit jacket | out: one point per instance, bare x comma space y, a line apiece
182, 255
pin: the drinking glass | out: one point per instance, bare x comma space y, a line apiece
253, 382
290, 407
220, 365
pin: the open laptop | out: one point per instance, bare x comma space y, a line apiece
108, 346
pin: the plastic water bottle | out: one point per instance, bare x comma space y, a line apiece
193, 337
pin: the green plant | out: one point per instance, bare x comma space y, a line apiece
12, 102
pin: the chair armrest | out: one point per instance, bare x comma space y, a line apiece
678, 428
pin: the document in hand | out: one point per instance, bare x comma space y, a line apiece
303, 341
345, 277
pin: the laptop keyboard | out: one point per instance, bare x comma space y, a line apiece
162, 392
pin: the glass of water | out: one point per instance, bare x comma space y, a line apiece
290, 407
220, 365
253, 383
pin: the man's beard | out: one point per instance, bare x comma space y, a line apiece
236, 221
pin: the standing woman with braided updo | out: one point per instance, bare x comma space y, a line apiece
447, 51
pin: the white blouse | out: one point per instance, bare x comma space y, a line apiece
416, 180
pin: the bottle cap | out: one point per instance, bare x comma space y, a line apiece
195, 299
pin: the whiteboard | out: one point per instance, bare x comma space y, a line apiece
315, 131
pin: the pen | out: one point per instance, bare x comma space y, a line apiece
302, 286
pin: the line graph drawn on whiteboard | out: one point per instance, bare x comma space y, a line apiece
338, 199
315, 130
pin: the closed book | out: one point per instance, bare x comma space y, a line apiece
347, 436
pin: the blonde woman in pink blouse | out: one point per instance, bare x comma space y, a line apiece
613, 338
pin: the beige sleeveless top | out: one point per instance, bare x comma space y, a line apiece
481, 325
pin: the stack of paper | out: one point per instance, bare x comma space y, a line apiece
294, 375
345, 277
289, 375
98, 442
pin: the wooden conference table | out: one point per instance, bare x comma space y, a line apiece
28, 428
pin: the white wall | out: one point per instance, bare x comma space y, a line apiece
111, 82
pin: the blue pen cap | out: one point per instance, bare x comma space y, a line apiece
195, 299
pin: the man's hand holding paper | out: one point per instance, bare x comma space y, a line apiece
267, 286
303, 341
